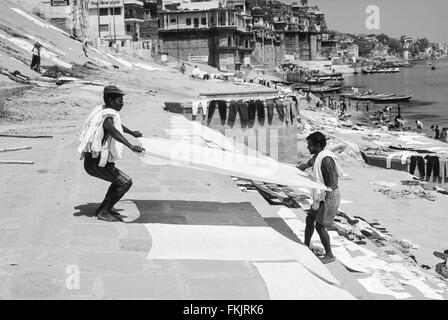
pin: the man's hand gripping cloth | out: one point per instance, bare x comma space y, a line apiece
92, 134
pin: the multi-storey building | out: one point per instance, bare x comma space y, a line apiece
207, 32
149, 31
133, 18
406, 43
61, 13
265, 46
302, 35
106, 22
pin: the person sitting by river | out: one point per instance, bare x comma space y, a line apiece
419, 125
196, 72
398, 123
443, 135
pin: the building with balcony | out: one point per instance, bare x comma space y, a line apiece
299, 33
266, 48
149, 30
133, 18
60, 13
207, 32
406, 42
106, 23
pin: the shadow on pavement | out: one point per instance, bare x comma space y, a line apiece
87, 210
197, 213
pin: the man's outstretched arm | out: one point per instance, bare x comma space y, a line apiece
109, 126
136, 134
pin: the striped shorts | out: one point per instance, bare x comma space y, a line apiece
108, 173
328, 209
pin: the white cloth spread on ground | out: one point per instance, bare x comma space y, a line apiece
193, 156
231, 243
319, 195
92, 134
291, 281
375, 286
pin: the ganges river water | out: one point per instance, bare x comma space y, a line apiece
428, 87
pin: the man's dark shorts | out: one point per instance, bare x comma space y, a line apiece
109, 172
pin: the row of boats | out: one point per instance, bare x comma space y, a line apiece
328, 83
380, 70
377, 97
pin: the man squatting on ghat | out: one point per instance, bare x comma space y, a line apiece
101, 143
326, 170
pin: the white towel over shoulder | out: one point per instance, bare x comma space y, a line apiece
92, 134
319, 195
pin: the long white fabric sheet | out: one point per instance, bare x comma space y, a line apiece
183, 154
231, 243
291, 281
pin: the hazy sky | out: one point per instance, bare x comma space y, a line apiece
417, 19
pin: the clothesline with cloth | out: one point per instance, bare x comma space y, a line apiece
248, 108
429, 166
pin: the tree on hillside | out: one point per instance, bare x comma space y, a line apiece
414, 50
395, 45
365, 48
422, 44
383, 38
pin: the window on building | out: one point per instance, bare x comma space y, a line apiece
173, 20
212, 19
196, 22
204, 21
115, 11
104, 12
188, 21
128, 28
104, 27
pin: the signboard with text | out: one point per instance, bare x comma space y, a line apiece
60, 3
105, 3
197, 58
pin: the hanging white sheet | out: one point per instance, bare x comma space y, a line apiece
188, 155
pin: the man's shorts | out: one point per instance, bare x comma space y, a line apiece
109, 172
328, 209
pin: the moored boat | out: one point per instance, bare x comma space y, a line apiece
324, 89
392, 99
313, 81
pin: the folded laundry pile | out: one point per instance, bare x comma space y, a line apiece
357, 229
408, 190
275, 194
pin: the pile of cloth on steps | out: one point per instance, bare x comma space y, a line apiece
408, 190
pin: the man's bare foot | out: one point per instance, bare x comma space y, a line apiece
98, 210
108, 216
113, 212
317, 251
327, 259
